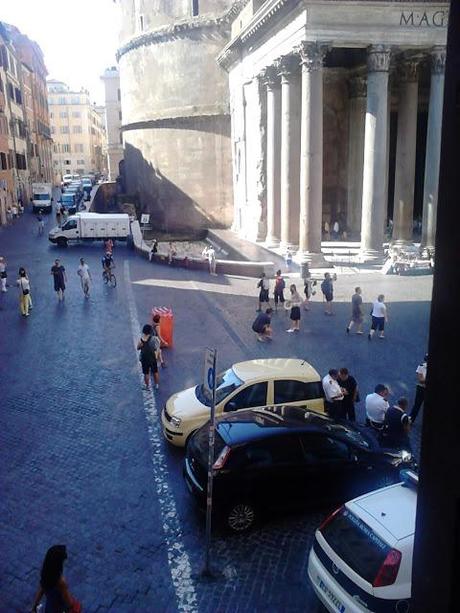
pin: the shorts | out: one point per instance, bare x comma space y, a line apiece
378, 323
329, 297
279, 296
148, 367
263, 296
295, 313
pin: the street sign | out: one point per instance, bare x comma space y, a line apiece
209, 384
145, 218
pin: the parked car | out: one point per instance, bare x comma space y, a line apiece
254, 383
278, 458
69, 202
361, 559
66, 180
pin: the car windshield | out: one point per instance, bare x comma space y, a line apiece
67, 198
351, 435
226, 383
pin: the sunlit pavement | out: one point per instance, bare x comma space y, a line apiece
80, 458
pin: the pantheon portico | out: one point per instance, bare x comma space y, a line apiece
313, 87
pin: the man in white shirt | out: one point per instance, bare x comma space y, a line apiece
333, 394
376, 406
85, 277
420, 390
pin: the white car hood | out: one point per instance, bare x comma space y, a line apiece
186, 405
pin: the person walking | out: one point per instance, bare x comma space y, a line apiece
23, 284
85, 277
58, 215
162, 343
294, 303
153, 249
288, 260
3, 274
262, 326
210, 253
14, 210
376, 406
53, 586
379, 317
148, 359
356, 312
171, 252
327, 288
420, 388
264, 291
397, 426
41, 223
60, 279
333, 394
349, 387
308, 291
278, 293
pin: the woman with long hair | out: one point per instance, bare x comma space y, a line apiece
23, 283
294, 303
53, 585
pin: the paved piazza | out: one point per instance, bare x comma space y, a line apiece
82, 460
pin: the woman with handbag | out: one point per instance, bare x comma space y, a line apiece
23, 284
294, 303
53, 585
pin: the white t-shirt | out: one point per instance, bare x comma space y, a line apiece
421, 370
379, 309
376, 407
211, 254
336, 226
331, 389
83, 271
23, 283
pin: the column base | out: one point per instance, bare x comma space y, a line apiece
314, 260
272, 242
371, 255
401, 241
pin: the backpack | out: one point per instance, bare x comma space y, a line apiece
147, 353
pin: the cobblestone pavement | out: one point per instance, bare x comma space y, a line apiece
81, 462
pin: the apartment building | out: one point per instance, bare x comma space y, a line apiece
111, 80
77, 130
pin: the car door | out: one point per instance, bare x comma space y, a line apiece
294, 391
330, 466
252, 396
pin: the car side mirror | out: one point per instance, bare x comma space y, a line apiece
230, 406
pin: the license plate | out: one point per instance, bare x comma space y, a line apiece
330, 596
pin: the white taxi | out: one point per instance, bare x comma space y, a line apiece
246, 385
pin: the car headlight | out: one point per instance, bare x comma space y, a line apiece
176, 421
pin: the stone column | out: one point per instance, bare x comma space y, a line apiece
288, 67
406, 148
357, 114
433, 148
311, 152
272, 82
375, 152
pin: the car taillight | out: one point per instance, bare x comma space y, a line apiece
223, 455
389, 570
329, 518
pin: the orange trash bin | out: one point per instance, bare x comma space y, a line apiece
166, 323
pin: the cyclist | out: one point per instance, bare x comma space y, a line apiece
107, 264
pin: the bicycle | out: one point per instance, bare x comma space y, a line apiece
109, 278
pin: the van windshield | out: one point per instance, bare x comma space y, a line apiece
226, 383
41, 196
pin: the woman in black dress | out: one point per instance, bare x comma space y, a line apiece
294, 303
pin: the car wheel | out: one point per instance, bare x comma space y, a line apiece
240, 516
62, 242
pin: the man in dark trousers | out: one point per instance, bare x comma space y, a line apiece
420, 389
262, 326
348, 383
397, 426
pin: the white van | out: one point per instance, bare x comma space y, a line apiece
41, 197
91, 226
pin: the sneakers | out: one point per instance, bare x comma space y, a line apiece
261, 339
145, 387
348, 330
289, 331
360, 332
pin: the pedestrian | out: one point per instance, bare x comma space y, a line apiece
53, 585
327, 231
420, 388
210, 253
85, 277
64, 214
162, 343
108, 245
60, 279
327, 288
376, 406
308, 291
294, 303
3, 274
14, 211
335, 230
58, 216
20, 207
333, 394
171, 252
397, 426
288, 259
350, 391
23, 284
278, 293
264, 291
148, 359
9, 215
41, 223
379, 317
356, 312
262, 326
153, 249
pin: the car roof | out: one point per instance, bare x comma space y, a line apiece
269, 368
392, 508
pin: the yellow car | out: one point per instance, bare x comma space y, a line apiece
246, 385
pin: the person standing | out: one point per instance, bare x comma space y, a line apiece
53, 585
379, 317
327, 231
278, 293
41, 223
3, 274
327, 288
376, 406
264, 291
171, 252
356, 312
153, 249
60, 279
288, 260
23, 284
349, 387
85, 277
262, 326
162, 343
333, 394
420, 389
148, 359
397, 426
210, 253
336, 230
14, 210
58, 215
294, 303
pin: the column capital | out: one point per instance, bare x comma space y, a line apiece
312, 54
357, 87
438, 60
288, 65
378, 58
270, 76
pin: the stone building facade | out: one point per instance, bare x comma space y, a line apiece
176, 120
336, 110
113, 117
